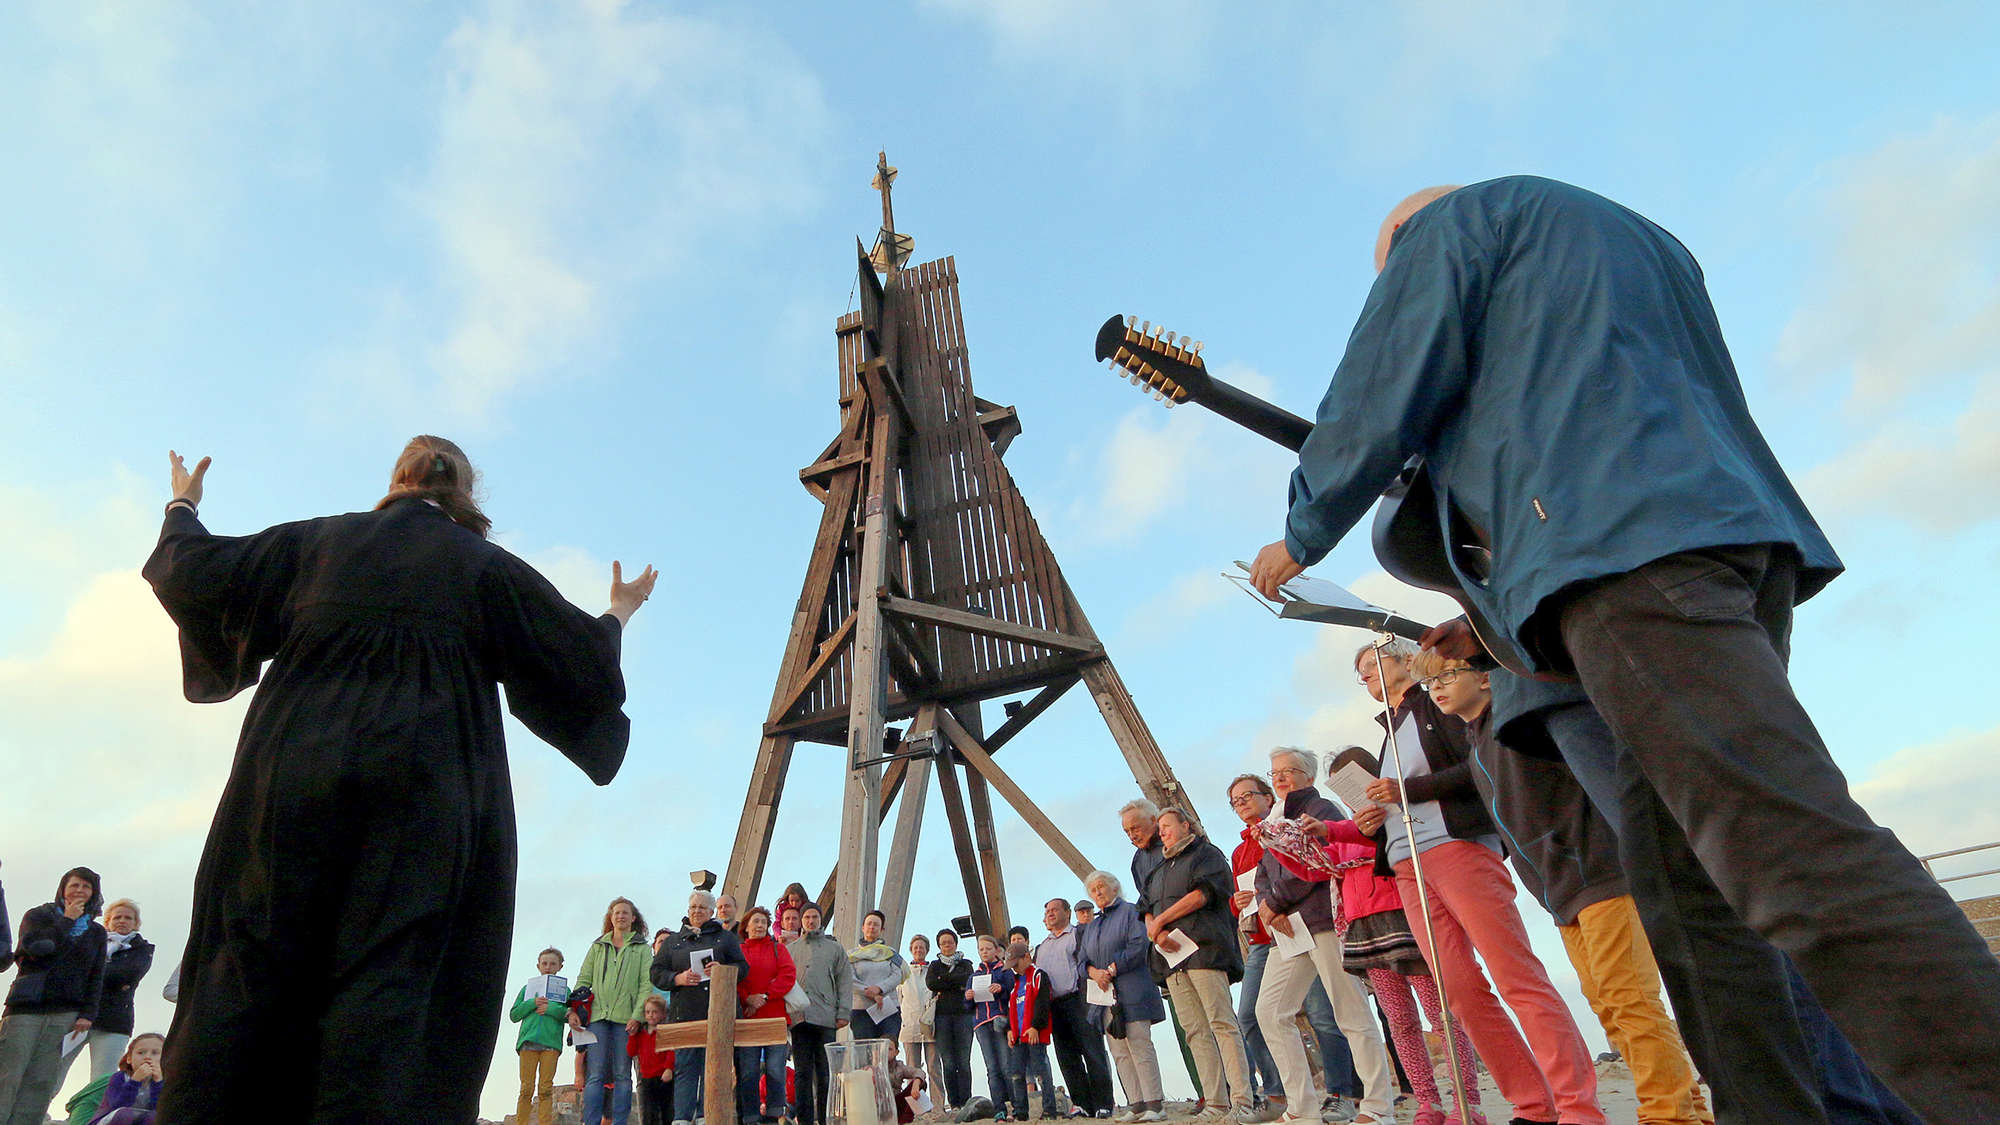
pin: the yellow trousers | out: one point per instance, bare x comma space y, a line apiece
538, 1078
1622, 982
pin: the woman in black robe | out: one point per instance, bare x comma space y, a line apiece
355, 901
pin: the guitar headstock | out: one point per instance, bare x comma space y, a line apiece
1154, 359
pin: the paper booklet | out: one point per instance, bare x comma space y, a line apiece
1316, 599
1183, 948
552, 988
1296, 942
1247, 881
1350, 783
699, 961
1095, 993
983, 983
581, 1037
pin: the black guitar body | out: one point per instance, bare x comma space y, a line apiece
1411, 545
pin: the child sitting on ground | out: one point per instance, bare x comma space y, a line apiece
910, 1085
540, 1008
1029, 1017
135, 1087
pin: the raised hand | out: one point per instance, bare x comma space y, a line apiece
627, 597
186, 485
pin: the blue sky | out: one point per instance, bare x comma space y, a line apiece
603, 245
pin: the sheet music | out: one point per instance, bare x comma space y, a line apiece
1350, 783
1299, 941
1097, 994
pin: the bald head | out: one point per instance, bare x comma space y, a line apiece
1401, 214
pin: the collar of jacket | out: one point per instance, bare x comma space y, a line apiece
1301, 796
1190, 840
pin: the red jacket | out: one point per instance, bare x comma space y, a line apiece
1245, 858
1362, 892
653, 1062
769, 970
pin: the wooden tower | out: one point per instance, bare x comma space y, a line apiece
929, 590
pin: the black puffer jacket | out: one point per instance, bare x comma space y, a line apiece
690, 1002
123, 971
1199, 865
58, 973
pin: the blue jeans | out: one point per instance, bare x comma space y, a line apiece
953, 1033
992, 1036
863, 1027
1335, 1056
1031, 1058
752, 1065
689, 1063
606, 1061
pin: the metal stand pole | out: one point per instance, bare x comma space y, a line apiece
1382, 641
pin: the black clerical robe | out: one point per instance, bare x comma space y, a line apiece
355, 901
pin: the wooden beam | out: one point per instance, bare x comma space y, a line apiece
914, 646
902, 863
828, 649
719, 1060
768, 1032
961, 842
893, 781
760, 814
860, 828
1135, 740
979, 759
988, 842
1029, 711
830, 466
971, 622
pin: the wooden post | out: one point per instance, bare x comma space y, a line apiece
976, 757
719, 1063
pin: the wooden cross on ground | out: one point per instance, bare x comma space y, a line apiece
720, 1034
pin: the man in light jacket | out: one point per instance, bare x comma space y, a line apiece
823, 974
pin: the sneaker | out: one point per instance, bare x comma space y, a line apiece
1262, 1115
1338, 1111
1151, 1115
1104, 1114
1129, 1113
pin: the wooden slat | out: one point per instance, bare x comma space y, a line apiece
769, 1032
719, 1066
990, 626
1019, 721
829, 649
981, 760
961, 842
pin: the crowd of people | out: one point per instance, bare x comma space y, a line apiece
73, 989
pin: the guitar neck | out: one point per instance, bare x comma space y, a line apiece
1256, 415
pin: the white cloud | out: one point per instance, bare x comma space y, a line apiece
1132, 51
1161, 462
587, 146
1938, 795
1390, 75
1905, 313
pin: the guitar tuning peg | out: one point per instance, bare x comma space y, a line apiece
1129, 320
1137, 380
1197, 347
1145, 328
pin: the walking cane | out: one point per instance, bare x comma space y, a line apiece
1382, 641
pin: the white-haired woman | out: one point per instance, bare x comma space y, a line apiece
1113, 950
1283, 894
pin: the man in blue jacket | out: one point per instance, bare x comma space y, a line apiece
1613, 510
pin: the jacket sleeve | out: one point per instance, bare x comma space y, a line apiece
586, 977
1216, 880
787, 974
1275, 886
1132, 950
126, 972
1043, 1016
663, 971
41, 936
93, 985
1345, 832
524, 1006
1404, 371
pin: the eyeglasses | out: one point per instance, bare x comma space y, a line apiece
1245, 800
1293, 770
1445, 678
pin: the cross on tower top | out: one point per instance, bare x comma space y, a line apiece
884, 261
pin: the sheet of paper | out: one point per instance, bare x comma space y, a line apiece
1247, 881
1298, 942
879, 1010
1183, 947
982, 985
1350, 783
581, 1037
73, 1042
1097, 994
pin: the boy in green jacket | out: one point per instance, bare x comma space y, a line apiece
540, 1008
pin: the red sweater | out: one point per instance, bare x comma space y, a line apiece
1362, 892
653, 1062
1245, 858
769, 970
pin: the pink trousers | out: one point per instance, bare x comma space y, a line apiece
1472, 909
